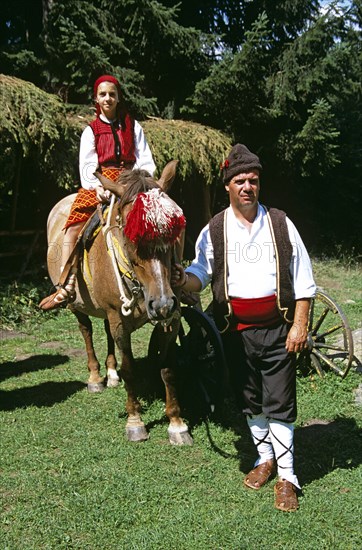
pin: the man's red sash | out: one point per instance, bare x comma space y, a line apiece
254, 312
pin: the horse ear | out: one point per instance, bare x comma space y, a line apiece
168, 175
109, 184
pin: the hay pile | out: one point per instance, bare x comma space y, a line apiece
33, 126
198, 148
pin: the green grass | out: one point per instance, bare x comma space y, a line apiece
343, 282
70, 480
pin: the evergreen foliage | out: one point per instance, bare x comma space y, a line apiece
33, 125
157, 60
233, 96
283, 77
230, 20
296, 99
198, 148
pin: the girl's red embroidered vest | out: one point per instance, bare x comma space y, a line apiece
114, 143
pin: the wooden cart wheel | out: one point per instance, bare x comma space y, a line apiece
202, 354
330, 342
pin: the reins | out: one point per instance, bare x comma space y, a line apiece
122, 266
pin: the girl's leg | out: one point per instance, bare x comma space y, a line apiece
66, 291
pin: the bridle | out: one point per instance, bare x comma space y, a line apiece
130, 289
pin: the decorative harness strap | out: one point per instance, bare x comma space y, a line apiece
155, 219
121, 267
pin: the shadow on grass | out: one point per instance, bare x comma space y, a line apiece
148, 382
150, 387
30, 364
322, 447
42, 395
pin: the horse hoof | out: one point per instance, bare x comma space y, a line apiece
136, 433
112, 382
180, 438
95, 387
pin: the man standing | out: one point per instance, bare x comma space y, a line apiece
262, 284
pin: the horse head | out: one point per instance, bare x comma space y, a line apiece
149, 226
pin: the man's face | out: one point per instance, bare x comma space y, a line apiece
244, 190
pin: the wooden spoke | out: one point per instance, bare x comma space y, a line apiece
330, 339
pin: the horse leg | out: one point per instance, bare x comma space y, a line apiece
178, 432
95, 381
111, 362
135, 428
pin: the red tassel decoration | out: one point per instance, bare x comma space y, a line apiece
154, 218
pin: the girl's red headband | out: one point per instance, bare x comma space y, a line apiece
106, 78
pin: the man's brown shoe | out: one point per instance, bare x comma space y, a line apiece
260, 475
286, 496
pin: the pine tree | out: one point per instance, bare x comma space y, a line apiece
72, 42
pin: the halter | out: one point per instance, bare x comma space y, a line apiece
154, 218
122, 266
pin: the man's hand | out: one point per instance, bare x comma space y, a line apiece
187, 281
297, 336
178, 275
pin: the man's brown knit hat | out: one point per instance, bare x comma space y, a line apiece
240, 160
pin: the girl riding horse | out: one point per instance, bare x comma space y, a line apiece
112, 143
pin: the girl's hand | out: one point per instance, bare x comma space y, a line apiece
102, 194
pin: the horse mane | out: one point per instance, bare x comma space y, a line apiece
134, 182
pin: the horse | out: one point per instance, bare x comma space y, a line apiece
124, 278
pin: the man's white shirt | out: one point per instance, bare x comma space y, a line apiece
251, 263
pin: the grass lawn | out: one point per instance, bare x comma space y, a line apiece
70, 480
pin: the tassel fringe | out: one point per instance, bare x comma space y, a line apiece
154, 218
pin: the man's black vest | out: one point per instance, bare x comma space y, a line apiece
283, 250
